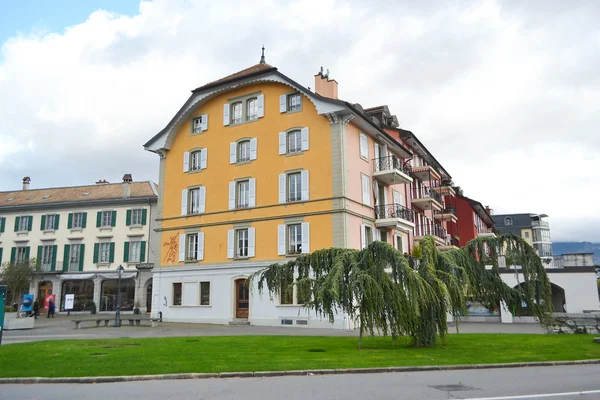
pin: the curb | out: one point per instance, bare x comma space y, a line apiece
265, 374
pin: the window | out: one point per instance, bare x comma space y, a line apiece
195, 159
21, 255
236, 115
24, 224
77, 221
294, 239
177, 294
366, 190
74, 257
197, 124
192, 247
194, 201
399, 243
241, 243
242, 194
243, 153
366, 236
364, 146
136, 216
134, 251
109, 290
103, 252
46, 261
106, 219
526, 235
294, 102
294, 186
287, 292
508, 221
383, 235
50, 222
205, 293
252, 109
84, 294
294, 140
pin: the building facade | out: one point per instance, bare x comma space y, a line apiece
78, 236
533, 228
475, 219
290, 171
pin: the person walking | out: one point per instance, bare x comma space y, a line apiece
51, 308
36, 308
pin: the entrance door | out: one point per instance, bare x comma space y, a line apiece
241, 298
149, 298
44, 290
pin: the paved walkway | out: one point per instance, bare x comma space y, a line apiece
61, 328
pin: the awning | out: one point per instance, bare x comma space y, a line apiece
73, 277
114, 275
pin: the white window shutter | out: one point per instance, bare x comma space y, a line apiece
253, 146
202, 202
184, 200
305, 238
282, 188
251, 242
363, 236
232, 153
377, 151
203, 157
230, 243
231, 195
204, 124
200, 245
281, 240
226, 114
283, 103
260, 109
304, 184
186, 161
304, 133
385, 196
282, 144
182, 247
252, 192
366, 198
397, 197
376, 234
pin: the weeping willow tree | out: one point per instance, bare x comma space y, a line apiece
388, 293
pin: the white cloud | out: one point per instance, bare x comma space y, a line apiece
506, 95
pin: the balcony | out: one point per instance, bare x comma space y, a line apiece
544, 224
426, 173
445, 190
487, 232
447, 214
391, 170
426, 198
451, 244
394, 216
428, 228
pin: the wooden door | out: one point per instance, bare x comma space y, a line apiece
241, 298
44, 290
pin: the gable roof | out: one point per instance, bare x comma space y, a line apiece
245, 73
98, 192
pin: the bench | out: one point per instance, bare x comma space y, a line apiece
136, 320
96, 320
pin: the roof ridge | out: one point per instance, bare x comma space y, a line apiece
261, 67
73, 187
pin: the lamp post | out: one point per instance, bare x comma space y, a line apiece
120, 270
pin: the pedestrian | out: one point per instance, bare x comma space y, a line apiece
51, 308
36, 308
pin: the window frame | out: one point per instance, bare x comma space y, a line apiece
241, 236
104, 214
104, 250
174, 293
46, 261
20, 258
195, 160
290, 108
232, 117
197, 130
243, 144
288, 185
364, 155
297, 135
238, 195
132, 245
193, 193
74, 249
201, 292
50, 226
24, 222
508, 221
188, 247
369, 238
135, 211
298, 239
74, 220
247, 102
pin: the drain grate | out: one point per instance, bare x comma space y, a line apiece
452, 388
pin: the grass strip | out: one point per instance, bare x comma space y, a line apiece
115, 357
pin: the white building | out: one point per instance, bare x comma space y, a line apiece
79, 236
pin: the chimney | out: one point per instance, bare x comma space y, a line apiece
26, 182
324, 86
489, 210
127, 179
102, 182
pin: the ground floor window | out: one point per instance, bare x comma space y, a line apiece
84, 294
108, 298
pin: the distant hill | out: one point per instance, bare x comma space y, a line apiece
577, 247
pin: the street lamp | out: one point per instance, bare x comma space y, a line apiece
120, 270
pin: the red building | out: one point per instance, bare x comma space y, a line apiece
473, 219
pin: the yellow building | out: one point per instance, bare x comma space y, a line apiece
289, 172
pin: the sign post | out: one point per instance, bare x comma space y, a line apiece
2, 301
69, 300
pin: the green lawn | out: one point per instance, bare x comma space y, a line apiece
271, 353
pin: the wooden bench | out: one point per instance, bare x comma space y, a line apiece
98, 321
136, 320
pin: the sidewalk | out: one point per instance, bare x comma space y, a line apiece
61, 328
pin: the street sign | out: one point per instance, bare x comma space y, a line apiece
69, 300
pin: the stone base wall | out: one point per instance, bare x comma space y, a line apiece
576, 323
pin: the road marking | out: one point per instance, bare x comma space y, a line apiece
539, 396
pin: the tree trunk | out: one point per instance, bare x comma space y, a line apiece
360, 336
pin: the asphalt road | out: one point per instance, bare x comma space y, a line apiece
581, 381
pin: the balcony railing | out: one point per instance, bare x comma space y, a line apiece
430, 229
391, 162
540, 223
424, 192
447, 210
394, 210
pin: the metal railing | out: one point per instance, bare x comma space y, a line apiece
425, 192
447, 210
394, 210
430, 229
540, 223
391, 162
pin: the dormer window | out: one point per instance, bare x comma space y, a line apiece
244, 109
236, 115
199, 124
508, 221
252, 110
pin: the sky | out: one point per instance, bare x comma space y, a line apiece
505, 94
